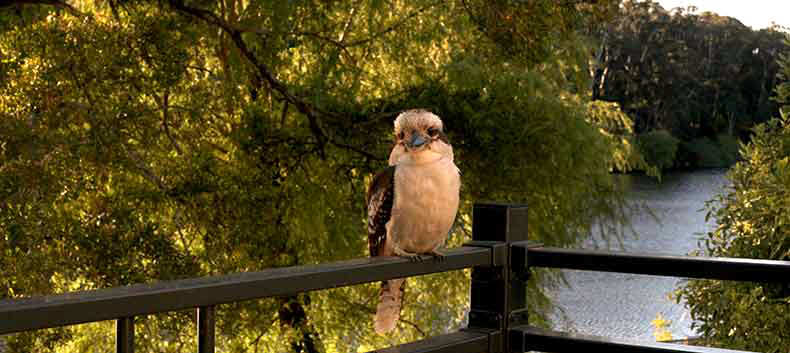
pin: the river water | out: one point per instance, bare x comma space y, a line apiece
623, 305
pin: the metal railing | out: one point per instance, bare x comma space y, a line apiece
499, 256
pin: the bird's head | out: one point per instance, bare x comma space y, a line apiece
418, 131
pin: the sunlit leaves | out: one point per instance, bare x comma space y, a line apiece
149, 141
753, 217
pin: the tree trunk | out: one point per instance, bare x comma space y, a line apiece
293, 315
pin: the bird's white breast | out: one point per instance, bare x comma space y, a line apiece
425, 204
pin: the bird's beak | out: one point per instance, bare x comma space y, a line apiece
416, 141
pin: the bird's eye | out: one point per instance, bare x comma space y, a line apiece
433, 132
400, 135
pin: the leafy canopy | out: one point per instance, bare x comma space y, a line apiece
155, 140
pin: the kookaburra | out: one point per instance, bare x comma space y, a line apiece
413, 203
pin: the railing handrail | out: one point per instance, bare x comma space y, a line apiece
529, 338
702, 267
499, 255
141, 299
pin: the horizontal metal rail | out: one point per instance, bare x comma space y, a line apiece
527, 338
499, 254
721, 268
457, 342
18, 315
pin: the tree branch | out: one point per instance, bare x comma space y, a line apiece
263, 72
393, 26
367, 155
413, 325
55, 3
147, 173
165, 118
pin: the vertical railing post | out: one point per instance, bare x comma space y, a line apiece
124, 335
499, 299
205, 329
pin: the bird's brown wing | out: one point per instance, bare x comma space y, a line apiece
379, 200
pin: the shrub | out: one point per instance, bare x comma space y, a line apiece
729, 146
753, 222
753, 219
704, 153
659, 148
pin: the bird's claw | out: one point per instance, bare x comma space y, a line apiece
412, 257
415, 257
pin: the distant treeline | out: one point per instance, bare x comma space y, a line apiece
694, 83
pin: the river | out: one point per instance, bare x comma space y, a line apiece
623, 305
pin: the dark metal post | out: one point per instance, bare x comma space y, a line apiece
205, 329
124, 335
499, 299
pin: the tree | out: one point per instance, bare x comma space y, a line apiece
155, 140
724, 69
753, 219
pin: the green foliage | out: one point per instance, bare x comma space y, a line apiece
618, 127
704, 153
753, 219
658, 148
729, 147
147, 141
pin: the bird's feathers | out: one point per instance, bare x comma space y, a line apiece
390, 303
416, 119
379, 200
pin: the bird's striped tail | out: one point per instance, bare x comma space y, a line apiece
390, 301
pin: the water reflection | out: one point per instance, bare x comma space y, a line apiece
622, 305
